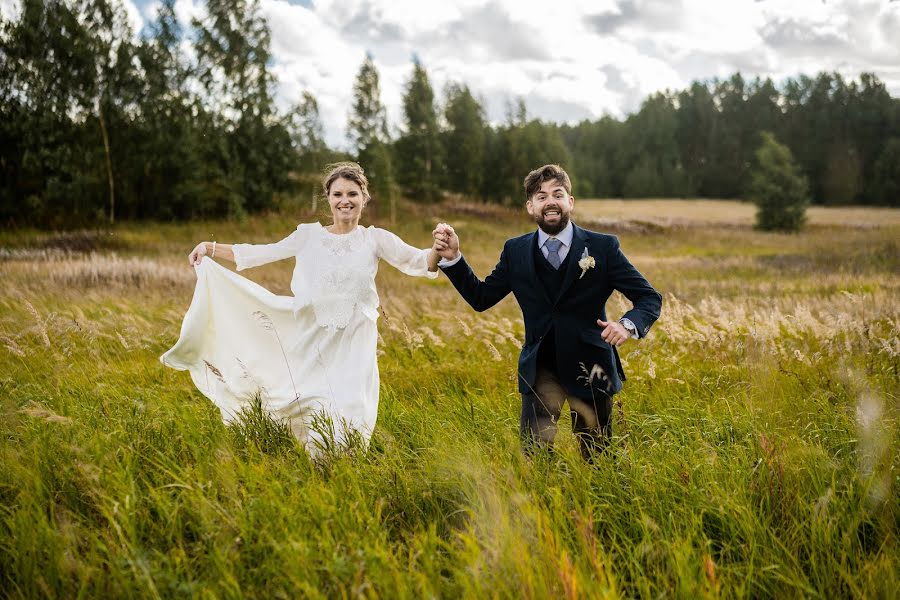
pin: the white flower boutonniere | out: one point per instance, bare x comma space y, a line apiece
587, 262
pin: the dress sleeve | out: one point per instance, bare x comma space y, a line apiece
401, 255
254, 255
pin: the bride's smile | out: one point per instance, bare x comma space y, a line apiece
347, 200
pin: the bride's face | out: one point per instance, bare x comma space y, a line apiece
346, 200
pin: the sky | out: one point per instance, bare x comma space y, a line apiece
568, 59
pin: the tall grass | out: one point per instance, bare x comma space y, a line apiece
755, 448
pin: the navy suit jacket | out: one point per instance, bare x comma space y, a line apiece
571, 315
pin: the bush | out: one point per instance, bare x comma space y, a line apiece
779, 190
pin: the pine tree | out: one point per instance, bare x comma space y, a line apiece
367, 132
419, 149
644, 179
305, 128
367, 122
780, 191
655, 167
464, 141
886, 180
519, 147
696, 120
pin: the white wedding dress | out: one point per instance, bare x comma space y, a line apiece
311, 353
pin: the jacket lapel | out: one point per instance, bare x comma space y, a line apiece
578, 245
531, 268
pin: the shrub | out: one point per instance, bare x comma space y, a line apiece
779, 190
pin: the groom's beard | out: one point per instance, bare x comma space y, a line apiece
554, 228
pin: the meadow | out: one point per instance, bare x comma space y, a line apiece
756, 448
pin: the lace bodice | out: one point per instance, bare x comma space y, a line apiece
335, 274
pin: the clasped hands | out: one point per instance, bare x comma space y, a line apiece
446, 244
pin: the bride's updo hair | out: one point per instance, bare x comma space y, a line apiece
350, 171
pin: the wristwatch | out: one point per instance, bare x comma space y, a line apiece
628, 325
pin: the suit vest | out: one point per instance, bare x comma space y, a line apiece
552, 280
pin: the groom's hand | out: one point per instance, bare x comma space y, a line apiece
613, 332
446, 242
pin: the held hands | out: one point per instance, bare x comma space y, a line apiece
614, 332
446, 242
197, 254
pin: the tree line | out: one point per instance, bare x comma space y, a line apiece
180, 122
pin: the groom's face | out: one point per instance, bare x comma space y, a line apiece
550, 207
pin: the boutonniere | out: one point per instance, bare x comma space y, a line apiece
587, 262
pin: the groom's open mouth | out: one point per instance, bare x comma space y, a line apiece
551, 212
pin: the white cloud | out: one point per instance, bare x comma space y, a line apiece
10, 9
570, 60
133, 14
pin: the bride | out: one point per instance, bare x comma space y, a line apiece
311, 353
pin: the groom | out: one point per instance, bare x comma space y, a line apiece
561, 276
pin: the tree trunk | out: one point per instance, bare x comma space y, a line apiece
109, 173
393, 209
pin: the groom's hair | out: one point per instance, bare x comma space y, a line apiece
536, 179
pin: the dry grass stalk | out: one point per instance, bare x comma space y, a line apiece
12, 346
215, 371
123, 341
41, 325
495, 354
35, 254
37, 411
432, 337
103, 270
465, 328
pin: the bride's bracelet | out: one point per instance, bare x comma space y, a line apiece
213, 255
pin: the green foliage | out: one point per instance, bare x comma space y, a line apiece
598, 152
376, 160
233, 55
778, 189
702, 140
48, 73
368, 121
517, 148
307, 136
656, 170
419, 149
102, 127
886, 176
464, 141
367, 131
644, 180
842, 182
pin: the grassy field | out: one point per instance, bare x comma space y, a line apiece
756, 445
727, 212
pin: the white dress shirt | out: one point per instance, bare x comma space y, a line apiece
564, 236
